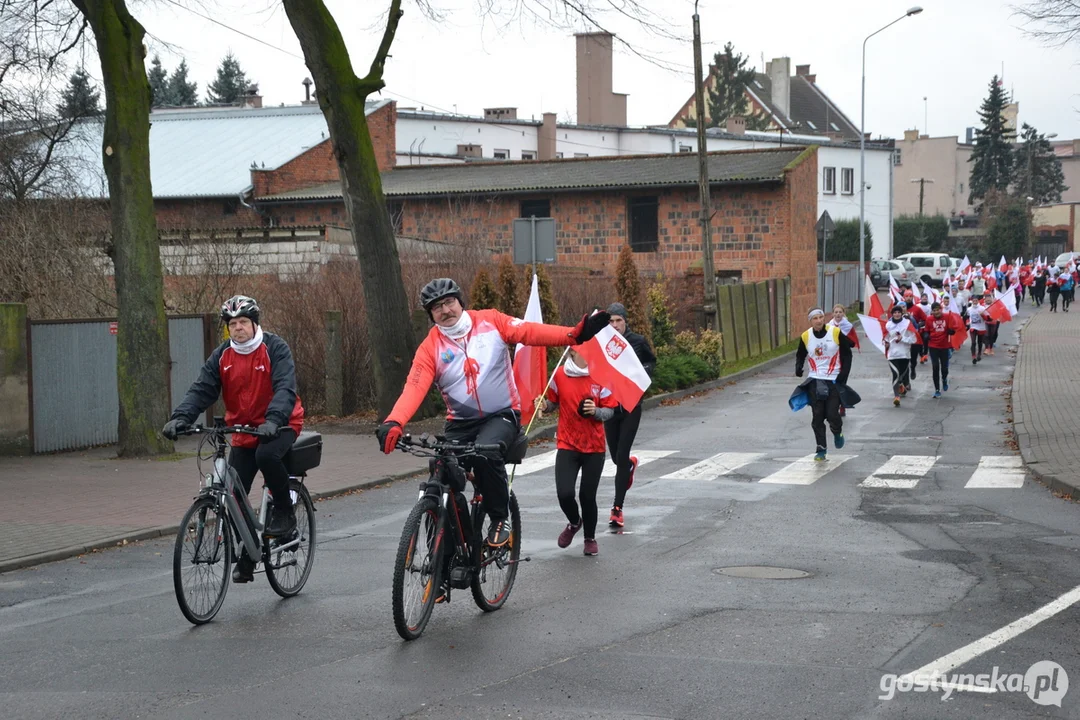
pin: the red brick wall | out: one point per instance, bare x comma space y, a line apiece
801, 189
204, 213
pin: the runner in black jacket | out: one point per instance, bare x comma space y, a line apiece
622, 428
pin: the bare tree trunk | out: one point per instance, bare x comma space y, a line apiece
142, 362
341, 96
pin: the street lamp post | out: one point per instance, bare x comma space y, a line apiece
862, 142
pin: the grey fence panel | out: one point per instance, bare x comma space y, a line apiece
187, 354
74, 385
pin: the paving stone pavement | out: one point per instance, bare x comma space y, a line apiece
1046, 398
64, 504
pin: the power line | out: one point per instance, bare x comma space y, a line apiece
238, 32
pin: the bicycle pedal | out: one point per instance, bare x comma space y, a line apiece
460, 577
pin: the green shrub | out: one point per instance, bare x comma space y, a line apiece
675, 371
661, 324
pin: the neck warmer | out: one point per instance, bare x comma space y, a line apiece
459, 329
572, 370
246, 348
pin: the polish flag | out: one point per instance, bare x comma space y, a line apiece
874, 327
1003, 309
964, 265
1002, 264
615, 365
530, 363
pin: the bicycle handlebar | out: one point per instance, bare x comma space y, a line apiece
222, 430
441, 446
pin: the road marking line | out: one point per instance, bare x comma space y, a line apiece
999, 637
536, 463
806, 471
712, 468
644, 458
914, 467
998, 471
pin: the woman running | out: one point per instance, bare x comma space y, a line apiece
1053, 288
977, 327
1068, 290
899, 338
579, 439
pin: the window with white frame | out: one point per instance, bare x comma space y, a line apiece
897, 157
847, 181
528, 155
579, 155
501, 154
686, 148
828, 180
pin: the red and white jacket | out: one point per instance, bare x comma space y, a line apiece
474, 373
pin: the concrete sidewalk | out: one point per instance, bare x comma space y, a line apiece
56, 506
1046, 399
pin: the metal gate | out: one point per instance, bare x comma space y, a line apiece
73, 392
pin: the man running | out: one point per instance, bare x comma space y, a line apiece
622, 428
827, 351
900, 334
940, 328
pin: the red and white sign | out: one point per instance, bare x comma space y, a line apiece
112, 328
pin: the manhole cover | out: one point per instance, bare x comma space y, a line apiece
762, 572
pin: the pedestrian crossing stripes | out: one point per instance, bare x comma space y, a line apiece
899, 472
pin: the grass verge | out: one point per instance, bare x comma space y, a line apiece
746, 363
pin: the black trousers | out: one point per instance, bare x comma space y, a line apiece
621, 431
992, 335
900, 374
826, 409
939, 358
267, 458
489, 468
567, 465
1054, 298
977, 341
1067, 297
916, 351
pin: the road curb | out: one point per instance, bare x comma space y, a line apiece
537, 434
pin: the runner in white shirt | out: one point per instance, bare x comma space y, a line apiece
899, 337
977, 327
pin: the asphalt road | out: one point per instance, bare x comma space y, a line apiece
899, 578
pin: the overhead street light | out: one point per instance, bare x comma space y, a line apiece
862, 141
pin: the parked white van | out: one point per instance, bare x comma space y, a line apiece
931, 268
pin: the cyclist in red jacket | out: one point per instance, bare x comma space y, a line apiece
255, 375
467, 355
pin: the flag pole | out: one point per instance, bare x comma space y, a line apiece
537, 403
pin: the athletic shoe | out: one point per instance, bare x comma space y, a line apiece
633, 469
896, 401
945, 385
937, 394
616, 517
819, 456
923, 359
838, 440
907, 389
499, 533
974, 360
912, 372
591, 548
567, 536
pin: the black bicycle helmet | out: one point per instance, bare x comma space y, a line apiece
240, 306
438, 289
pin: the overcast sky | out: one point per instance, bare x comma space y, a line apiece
946, 54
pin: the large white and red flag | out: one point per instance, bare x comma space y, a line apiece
1003, 309
872, 303
615, 365
874, 328
530, 363
964, 265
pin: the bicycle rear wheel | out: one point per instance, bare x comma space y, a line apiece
288, 569
496, 568
202, 559
417, 568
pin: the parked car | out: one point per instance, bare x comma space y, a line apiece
931, 268
902, 271
876, 278
1063, 259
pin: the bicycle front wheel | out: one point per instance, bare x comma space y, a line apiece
288, 561
202, 559
417, 568
496, 568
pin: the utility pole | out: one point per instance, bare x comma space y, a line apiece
922, 190
705, 211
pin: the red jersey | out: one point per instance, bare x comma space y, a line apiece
581, 434
938, 329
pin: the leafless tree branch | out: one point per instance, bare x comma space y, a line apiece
1053, 22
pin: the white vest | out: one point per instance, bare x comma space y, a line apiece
823, 354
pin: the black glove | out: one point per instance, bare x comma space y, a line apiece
589, 326
391, 430
268, 429
950, 331
174, 427
798, 373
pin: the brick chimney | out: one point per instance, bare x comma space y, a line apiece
779, 71
804, 71
252, 99
546, 138
911, 135
736, 125
596, 103
1076, 147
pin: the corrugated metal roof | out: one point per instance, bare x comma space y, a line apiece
733, 167
209, 152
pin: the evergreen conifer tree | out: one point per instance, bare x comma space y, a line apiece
511, 298
1037, 170
727, 96
629, 291
181, 92
159, 83
80, 98
230, 84
992, 156
482, 295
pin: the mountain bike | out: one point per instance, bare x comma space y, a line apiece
442, 546
221, 521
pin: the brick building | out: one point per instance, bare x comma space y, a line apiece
764, 210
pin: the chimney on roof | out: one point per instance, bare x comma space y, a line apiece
969, 137
306, 82
779, 71
252, 98
503, 113
596, 103
545, 144
804, 71
1076, 147
911, 135
736, 125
